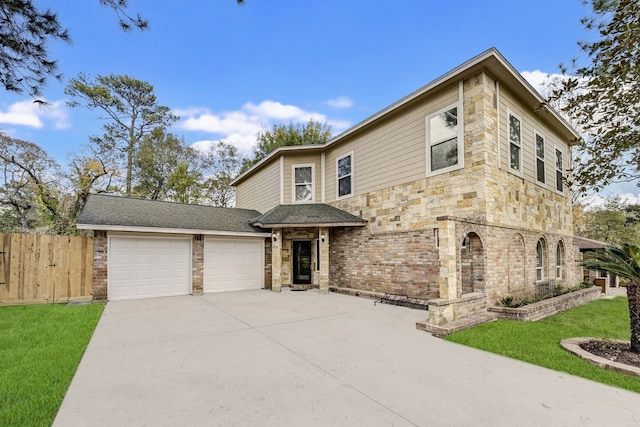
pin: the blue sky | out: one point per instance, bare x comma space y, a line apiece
229, 71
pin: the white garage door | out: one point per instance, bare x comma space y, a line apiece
233, 264
142, 267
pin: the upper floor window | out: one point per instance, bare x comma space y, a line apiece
444, 140
515, 142
303, 183
559, 177
344, 173
540, 172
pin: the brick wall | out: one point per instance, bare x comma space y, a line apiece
268, 270
100, 266
197, 264
403, 263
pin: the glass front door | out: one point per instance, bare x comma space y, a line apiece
302, 262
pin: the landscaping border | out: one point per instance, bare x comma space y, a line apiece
541, 309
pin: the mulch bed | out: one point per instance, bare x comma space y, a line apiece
616, 352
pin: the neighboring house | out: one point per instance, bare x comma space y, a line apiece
461, 185
590, 248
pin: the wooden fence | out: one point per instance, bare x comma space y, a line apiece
45, 269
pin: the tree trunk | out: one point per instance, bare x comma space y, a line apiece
634, 314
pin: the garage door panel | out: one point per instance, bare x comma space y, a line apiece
233, 264
141, 267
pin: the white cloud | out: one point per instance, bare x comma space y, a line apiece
340, 102
241, 126
28, 113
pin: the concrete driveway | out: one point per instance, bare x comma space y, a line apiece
258, 358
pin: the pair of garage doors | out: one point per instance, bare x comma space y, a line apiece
143, 267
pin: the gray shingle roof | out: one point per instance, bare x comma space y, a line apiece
102, 210
307, 214
584, 244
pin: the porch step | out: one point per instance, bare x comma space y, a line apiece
457, 325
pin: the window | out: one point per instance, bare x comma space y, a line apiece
344, 173
303, 183
540, 158
436, 237
559, 177
444, 140
559, 260
515, 142
540, 260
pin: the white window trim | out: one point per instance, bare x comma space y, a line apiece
460, 137
560, 267
537, 134
313, 183
346, 196
540, 268
519, 172
555, 170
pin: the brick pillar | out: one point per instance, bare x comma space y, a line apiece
276, 259
324, 260
197, 265
100, 262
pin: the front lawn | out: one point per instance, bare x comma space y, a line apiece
539, 342
40, 349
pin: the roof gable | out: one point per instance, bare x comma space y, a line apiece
491, 60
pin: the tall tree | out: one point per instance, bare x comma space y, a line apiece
29, 184
164, 168
603, 97
36, 193
26, 31
624, 261
608, 223
131, 108
220, 165
281, 135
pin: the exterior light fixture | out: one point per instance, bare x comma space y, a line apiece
322, 237
274, 236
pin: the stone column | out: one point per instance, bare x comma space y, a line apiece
324, 260
276, 259
448, 280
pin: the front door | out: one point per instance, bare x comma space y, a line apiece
302, 262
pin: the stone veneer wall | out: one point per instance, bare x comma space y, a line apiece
510, 257
100, 262
404, 263
396, 252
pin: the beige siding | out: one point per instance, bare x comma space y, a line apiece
260, 191
291, 159
530, 123
390, 153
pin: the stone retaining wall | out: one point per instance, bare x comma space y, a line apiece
548, 307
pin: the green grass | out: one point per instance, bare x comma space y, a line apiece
539, 342
40, 349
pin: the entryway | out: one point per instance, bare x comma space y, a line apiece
302, 262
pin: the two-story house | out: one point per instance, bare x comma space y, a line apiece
454, 194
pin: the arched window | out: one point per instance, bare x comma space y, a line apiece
560, 260
540, 260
